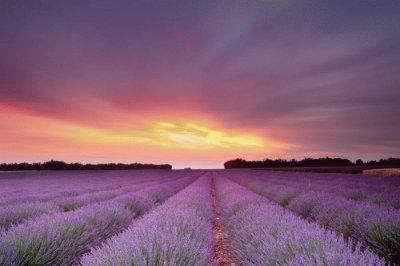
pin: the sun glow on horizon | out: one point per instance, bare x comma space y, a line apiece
146, 139
185, 135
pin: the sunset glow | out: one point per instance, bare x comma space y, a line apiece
198, 83
48, 136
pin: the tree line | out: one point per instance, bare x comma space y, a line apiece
310, 162
60, 165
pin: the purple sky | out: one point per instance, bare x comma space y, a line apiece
322, 77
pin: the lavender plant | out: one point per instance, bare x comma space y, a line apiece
263, 233
373, 226
17, 188
14, 214
376, 190
178, 232
61, 238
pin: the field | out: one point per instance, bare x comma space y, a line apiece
196, 217
383, 172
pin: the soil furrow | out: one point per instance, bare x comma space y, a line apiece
222, 252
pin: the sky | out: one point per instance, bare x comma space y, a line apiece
197, 83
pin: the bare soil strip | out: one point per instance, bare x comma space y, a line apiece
222, 253
383, 172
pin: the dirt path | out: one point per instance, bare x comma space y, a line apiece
222, 253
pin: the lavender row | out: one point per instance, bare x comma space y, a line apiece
61, 238
263, 233
376, 190
371, 225
37, 186
15, 214
179, 232
351, 180
32, 184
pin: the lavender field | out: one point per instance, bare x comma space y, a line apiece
198, 217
